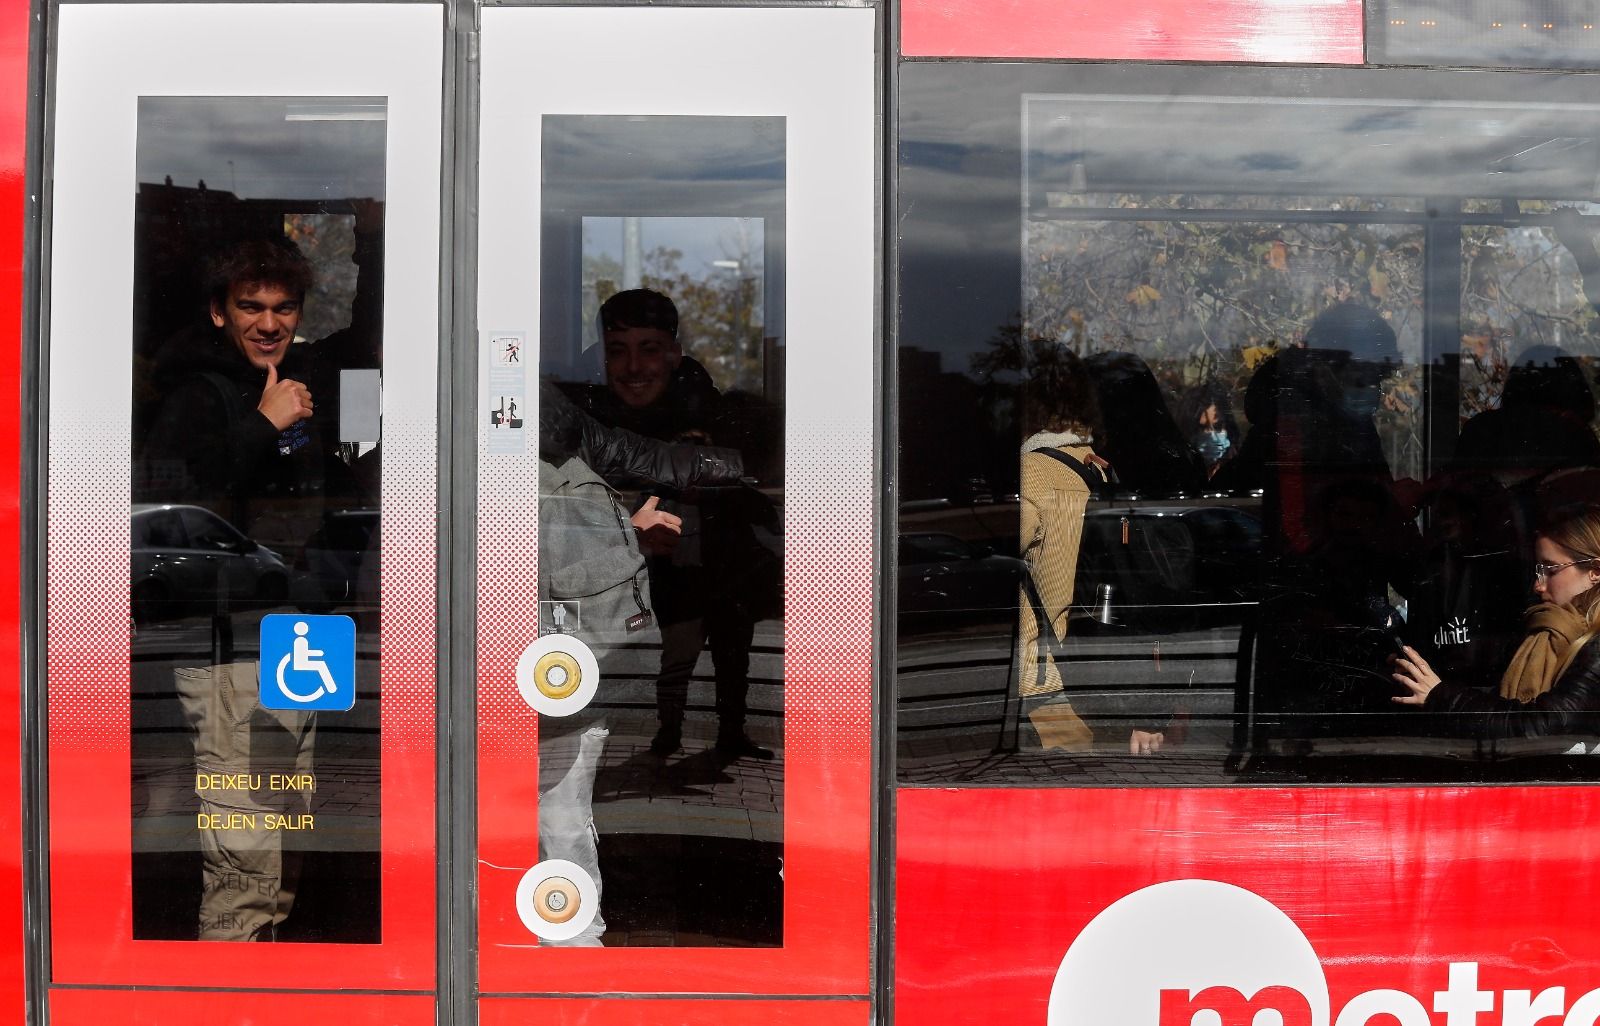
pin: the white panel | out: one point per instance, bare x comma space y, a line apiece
812, 66
110, 55
815, 69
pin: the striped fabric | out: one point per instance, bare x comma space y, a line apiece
1053, 503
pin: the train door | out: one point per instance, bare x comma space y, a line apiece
240, 586
662, 436
674, 491
1220, 389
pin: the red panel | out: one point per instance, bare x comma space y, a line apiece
827, 872
1310, 31
13, 144
161, 1008
616, 1012
1388, 886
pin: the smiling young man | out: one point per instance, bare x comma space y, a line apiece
701, 582
238, 432
237, 429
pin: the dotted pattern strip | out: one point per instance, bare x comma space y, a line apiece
87, 576
829, 588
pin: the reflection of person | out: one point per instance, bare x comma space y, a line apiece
1553, 683
1214, 430
1541, 427
1137, 432
237, 432
1060, 471
1339, 539
588, 551
704, 587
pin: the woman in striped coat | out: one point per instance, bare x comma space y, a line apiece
1060, 470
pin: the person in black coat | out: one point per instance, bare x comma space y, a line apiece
238, 431
719, 580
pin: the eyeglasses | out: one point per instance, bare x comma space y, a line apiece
1543, 571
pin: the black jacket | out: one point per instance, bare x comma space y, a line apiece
1571, 706
718, 559
208, 445
617, 453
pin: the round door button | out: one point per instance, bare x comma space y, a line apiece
557, 675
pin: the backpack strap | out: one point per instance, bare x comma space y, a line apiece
1092, 476
1045, 641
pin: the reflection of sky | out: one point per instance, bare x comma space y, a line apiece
333, 148
726, 166
1377, 147
961, 160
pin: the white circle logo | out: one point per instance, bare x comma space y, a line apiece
1190, 953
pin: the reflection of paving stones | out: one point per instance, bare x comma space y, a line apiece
694, 791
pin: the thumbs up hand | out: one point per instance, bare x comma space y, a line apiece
284, 402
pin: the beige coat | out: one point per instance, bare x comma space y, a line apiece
1054, 500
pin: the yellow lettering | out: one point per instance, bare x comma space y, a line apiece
227, 781
292, 782
232, 821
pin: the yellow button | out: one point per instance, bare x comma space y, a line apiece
556, 675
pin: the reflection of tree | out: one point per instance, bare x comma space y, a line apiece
1204, 302
719, 313
1521, 287
329, 243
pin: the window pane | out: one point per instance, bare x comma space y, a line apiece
661, 520
1267, 374
1514, 33
257, 347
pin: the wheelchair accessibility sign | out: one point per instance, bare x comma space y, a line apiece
308, 662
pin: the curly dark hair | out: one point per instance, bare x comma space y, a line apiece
265, 261
1059, 394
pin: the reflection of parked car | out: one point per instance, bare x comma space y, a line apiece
334, 556
941, 575
1172, 567
186, 558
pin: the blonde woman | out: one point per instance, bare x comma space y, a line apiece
1553, 683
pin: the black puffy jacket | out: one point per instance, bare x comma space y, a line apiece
1571, 706
565, 430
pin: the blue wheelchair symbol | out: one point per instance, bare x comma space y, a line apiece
308, 662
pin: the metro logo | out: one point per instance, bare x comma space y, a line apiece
1203, 953
1190, 952
1178, 1008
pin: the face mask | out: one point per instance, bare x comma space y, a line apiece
1212, 444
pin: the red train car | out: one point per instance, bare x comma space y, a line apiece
714, 514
